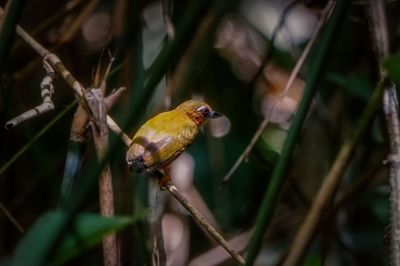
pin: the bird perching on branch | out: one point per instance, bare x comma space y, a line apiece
165, 136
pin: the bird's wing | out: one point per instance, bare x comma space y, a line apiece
163, 138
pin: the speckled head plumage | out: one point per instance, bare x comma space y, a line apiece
198, 111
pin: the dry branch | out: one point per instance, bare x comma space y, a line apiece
96, 103
46, 91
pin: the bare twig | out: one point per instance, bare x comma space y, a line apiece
12, 218
203, 222
325, 15
46, 91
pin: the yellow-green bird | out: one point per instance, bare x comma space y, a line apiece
165, 136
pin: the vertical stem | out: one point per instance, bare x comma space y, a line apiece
390, 107
380, 37
7, 28
95, 100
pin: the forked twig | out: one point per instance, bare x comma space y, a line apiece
325, 15
46, 91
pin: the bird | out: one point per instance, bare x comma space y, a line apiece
164, 137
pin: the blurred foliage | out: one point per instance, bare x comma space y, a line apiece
87, 231
218, 48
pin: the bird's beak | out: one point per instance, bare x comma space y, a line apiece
214, 114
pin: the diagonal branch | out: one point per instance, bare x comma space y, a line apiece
203, 222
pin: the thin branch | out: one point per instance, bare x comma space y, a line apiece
217, 255
47, 105
325, 15
268, 56
203, 222
12, 218
117, 130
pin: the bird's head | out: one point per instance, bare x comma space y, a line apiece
198, 111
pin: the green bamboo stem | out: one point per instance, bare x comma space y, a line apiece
7, 28
168, 54
278, 177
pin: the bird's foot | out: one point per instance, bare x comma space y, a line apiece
164, 181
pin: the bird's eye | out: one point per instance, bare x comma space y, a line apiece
205, 111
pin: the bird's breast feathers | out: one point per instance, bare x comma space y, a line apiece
161, 139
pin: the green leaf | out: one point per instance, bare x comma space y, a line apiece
36, 242
86, 231
392, 65
271, 142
